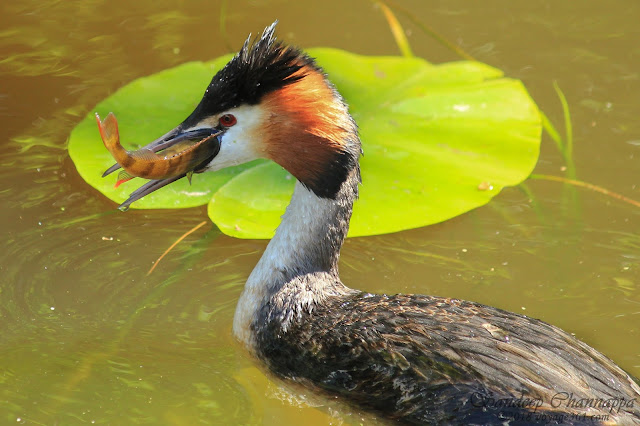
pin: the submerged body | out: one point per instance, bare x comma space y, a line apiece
409, 358
387, 356
415, 359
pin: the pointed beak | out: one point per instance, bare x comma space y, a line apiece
167, 142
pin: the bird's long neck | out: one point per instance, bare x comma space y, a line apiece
299, 268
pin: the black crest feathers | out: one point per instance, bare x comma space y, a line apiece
258, 69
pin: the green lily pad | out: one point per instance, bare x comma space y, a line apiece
439, 140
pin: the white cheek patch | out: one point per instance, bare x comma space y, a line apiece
240, 143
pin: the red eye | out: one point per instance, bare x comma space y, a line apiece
228, 120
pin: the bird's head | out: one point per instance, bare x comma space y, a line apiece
272, 101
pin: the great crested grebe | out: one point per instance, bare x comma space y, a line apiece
408, 358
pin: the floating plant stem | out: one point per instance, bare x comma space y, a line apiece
185, 235
431, 32
587, 185
396, 30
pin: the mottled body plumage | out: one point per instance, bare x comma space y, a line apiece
416, 359
429, 360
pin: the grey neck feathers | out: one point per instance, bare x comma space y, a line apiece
299, 268
313, 230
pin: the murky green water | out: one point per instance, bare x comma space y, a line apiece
86, 337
